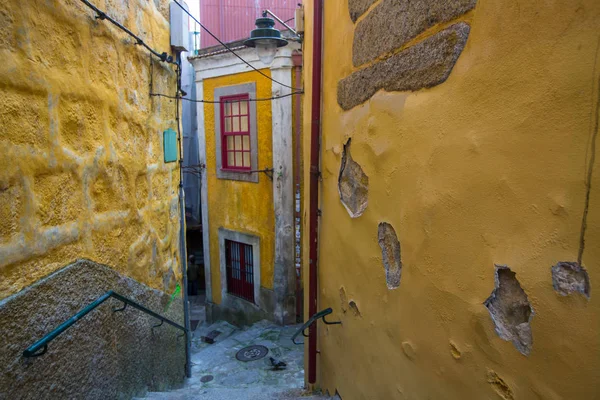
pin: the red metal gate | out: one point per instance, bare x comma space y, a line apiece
239, 263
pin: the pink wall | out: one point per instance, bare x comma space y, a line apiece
232, 20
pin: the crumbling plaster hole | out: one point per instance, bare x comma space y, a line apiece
510, 310
570, 277
353, 184
352, 306
499, 385
390, 253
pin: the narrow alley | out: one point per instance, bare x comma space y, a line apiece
242, 364
299, 199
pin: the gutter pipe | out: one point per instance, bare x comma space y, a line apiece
315, 133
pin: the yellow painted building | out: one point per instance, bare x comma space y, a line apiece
82, 172
83, 176
246, 152
457, 161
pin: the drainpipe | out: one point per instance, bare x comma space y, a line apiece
315, 133
297, 60
182, 243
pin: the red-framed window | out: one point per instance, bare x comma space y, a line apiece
239, 263
235, 132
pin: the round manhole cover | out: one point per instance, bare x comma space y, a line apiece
252, 353
207, 378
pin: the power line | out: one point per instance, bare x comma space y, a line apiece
225, 101
102, 15
233, 52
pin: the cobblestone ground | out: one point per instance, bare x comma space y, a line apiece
217, 374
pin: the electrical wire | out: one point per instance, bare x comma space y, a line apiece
102, 15
233, 52
226, 101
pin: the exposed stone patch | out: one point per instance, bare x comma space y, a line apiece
358, 8
352, 305
390, 253
499, 385
393, 23
423, 65
353, 184
570, 277
510, 310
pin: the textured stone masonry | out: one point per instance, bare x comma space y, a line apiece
423, 65
393, 23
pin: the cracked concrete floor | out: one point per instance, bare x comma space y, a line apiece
217, 374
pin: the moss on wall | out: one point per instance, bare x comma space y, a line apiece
488, 167
81, 166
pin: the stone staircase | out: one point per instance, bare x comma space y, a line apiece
217, 374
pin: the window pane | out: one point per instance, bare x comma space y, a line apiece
238, 142
236, 108
246, 142
246, 159
244, 107
230, 159
244, 124
236, 124
238, 159
227, 124
226, 109
229, 143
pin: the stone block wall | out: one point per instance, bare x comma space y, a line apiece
105, 355
81, 158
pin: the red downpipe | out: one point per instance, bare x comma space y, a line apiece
315, 133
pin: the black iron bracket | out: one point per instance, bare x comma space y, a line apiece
320, 315
120, 309
267, 171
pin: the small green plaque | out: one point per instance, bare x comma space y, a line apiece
170, 145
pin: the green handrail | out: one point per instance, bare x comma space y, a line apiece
34, 349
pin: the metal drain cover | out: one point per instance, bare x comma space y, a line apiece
252, 353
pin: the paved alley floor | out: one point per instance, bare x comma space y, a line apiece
217, 374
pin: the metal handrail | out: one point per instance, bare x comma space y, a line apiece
34, 349
320, 315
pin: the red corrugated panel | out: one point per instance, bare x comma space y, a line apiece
232, 20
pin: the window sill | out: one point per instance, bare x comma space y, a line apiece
237, 171
237, 175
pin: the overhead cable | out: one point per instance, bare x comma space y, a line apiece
233, 52
102, 15
225, 101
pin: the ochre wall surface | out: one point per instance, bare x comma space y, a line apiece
488, 167
245, 207
81, 158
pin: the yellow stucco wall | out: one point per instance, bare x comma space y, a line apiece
241, 206
81, 159
486, 168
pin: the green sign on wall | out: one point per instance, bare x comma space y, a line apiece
170, 145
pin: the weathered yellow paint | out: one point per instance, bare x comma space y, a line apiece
81, 165
486, 168
241, 206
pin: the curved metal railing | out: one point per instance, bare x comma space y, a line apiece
41, 346
320, 315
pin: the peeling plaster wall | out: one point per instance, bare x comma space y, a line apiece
487, 167
81, 165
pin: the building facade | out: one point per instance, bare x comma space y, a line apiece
457, 164
87, 202
246, 152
